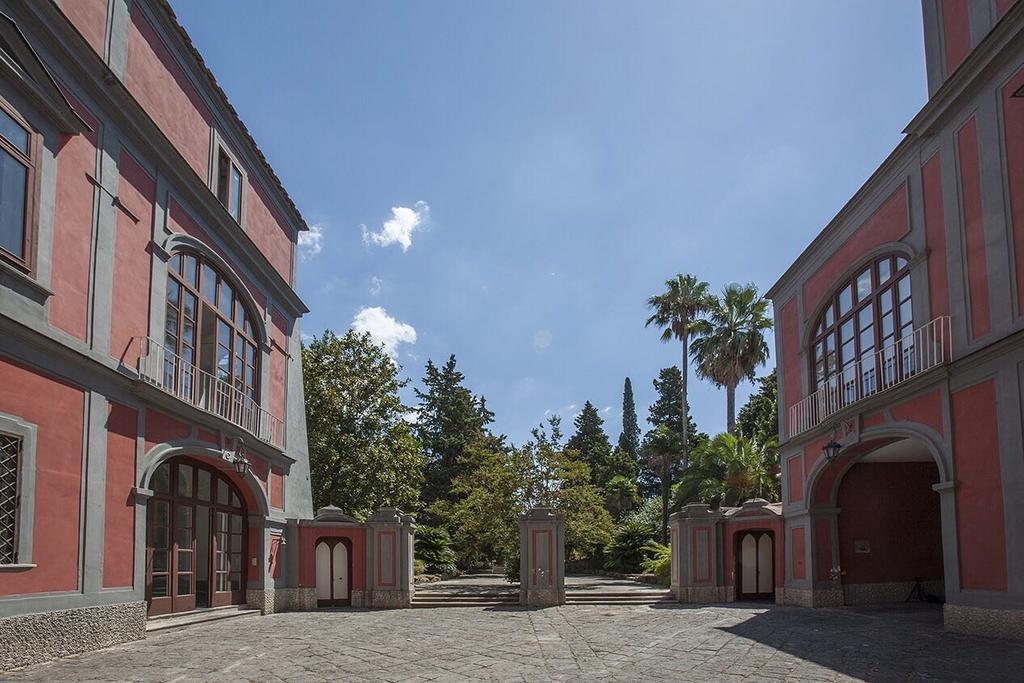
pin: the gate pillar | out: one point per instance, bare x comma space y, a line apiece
697, 554
389, 553
542, 558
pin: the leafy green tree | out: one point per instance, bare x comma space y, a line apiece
620, 495
629, 439
730, 469
658, 561
592, 444
433, 547
732, 345
662, 451
677, 311
362, 454
667, 410
624, 552
759, 418
449, 420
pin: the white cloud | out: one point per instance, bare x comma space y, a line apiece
608, 409
399, 228
311, 242
542, 340
376, 284
384, 329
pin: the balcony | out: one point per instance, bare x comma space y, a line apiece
927, 347
168, 371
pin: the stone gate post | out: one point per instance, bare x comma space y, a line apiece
389, 554
542, 558
697, 571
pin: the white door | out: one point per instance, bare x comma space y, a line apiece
765, 570
748, 563
323, 571
340, 557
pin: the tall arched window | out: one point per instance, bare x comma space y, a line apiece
865, 330
208, 328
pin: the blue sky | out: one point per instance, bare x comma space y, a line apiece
549, 164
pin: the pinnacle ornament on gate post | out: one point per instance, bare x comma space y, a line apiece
542, 558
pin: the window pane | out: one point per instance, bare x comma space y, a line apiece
175, 266
189, 304
223, 163
222, 499
13, 131
236, 520
184, 584
904, 287
160, 586
209, 284
185, 481
864, 285
236, 582
885, 301
13, 186
867, 339
236, 561
191, 270
203, 485
224, 298
846, 331
161, 482
829, 317
235, 503
901, 263
183, 516
906, 315
239, 313
846, 352
884, 271
161, 537
865, 316
222, 582
159, 561
236, 543
184, 561
236, 194
846, 300
887, 325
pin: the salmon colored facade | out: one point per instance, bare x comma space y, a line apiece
900, 344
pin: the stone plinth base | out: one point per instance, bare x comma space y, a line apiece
33, 638
982, 621
701, 594
542, 597
381, 599
874, 593
357, 598
818, 597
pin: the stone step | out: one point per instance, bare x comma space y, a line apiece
619, 594
166, 622
417, 604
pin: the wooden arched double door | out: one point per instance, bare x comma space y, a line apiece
755, 565
333, 572
196, 534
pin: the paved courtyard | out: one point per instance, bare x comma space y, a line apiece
727, 643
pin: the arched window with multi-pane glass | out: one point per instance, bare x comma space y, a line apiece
863, 339
210, 337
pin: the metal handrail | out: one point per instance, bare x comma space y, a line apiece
927, 347
163, 368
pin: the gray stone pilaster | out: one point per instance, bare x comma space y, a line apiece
542, 558
698, 574
389, 554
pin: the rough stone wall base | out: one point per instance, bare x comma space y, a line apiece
818, 597
379, 599
357, 598
542, 597
701, 594
981, 621
32, 638
874, 593
263, 600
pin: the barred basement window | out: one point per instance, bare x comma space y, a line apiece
10, 460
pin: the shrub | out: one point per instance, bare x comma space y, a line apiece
434, 548
512, 566
658, 561
625, 552
419, 567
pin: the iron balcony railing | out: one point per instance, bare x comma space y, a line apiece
163, 368
927, 347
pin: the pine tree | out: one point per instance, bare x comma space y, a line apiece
667, 411
759, 418
450, 420
592, 444
629, 439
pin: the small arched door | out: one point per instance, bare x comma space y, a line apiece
755, 565
333, 572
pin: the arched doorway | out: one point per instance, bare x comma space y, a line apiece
333, 572
196, 532
755, 565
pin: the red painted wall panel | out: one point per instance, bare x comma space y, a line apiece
308, 537
823, 549
1013, 119
1003, 6
956, 32
73, 227
119, 507
276, 493
162, 428
935, 234
926, 410
161, 87
892, 506
90, 18
132, 261
981, 533
278, 364
799, 551
268, 230
58, 411
795, 479
888, 224
974, 228
791, 371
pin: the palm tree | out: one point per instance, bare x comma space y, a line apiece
678, 312
732, 345
728, 470
660, 449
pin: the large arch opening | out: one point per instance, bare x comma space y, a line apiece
889, 525
196, 538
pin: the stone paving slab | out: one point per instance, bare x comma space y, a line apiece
584, 642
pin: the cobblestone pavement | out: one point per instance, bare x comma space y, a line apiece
708, 643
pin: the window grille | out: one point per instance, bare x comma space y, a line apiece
10, 459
